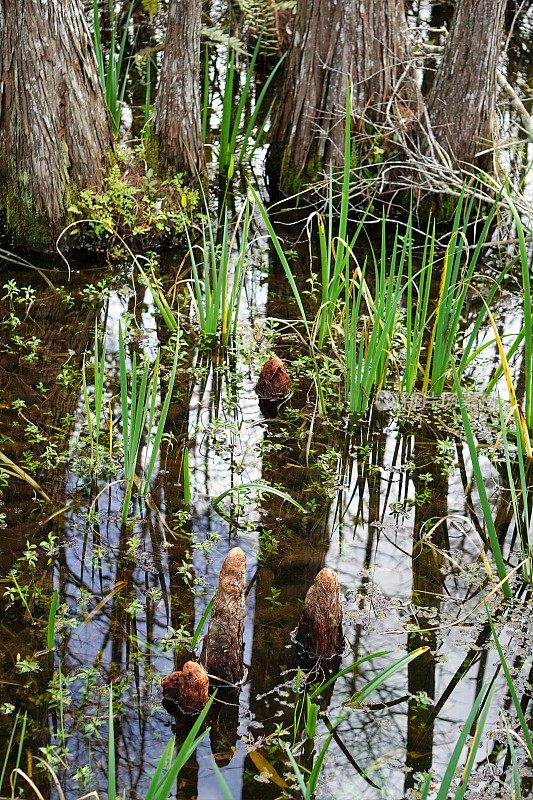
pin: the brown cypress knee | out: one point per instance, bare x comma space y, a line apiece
223, 648
320, 627
188, 689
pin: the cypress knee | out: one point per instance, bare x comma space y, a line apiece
187, 689
223, 649
320, 627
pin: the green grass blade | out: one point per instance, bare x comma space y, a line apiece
8, 749
160, 790
201, 622
243, 96
345, 671
383, 676
512, 689
474, 746
186, 478
458, 749
257, 108
50, 632
111, 766
516, 777
298, 774
484, 500
222, 782
261, 487
123, 396
156, 444
283, 259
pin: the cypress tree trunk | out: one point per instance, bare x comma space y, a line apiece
54, 126
177, 110
356, 41
463, 98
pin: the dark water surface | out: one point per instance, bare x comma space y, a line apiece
389, 507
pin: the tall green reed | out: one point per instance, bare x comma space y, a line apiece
110, 65
517, 468
94, 401
417, 295
218, 273
513, 692
231, 155
488, 519
477, 717
22, 718
308, 784
454, 286
335, 250
139, 394
368, 351
171, 763
527, 312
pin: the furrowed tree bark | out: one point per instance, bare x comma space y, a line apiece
177, 110
360, 42
462, 101
54, 127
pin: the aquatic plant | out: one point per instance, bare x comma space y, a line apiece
483, 497
22, 718
305, 709
230, 155
243, 492
94, 400
113, 79
218, 273
139, 392
454, 286
367, 352
165, 774
477, 717
517, 704
519, 492
135, 208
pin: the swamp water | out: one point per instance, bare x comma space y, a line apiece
389, 504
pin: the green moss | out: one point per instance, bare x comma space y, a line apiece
152, 154
23, 223
293, 179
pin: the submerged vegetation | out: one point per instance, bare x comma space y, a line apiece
138, 446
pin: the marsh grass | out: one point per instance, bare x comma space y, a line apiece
518, 468
139, 395
243, 492
9, 467
456, 276
479, 482
94, 400
475, 721
186, 478
10, 747
231, 152
307, 781
516, 701
164, 776
417, 297
110, 66
368, 348
527, 313
218, 267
